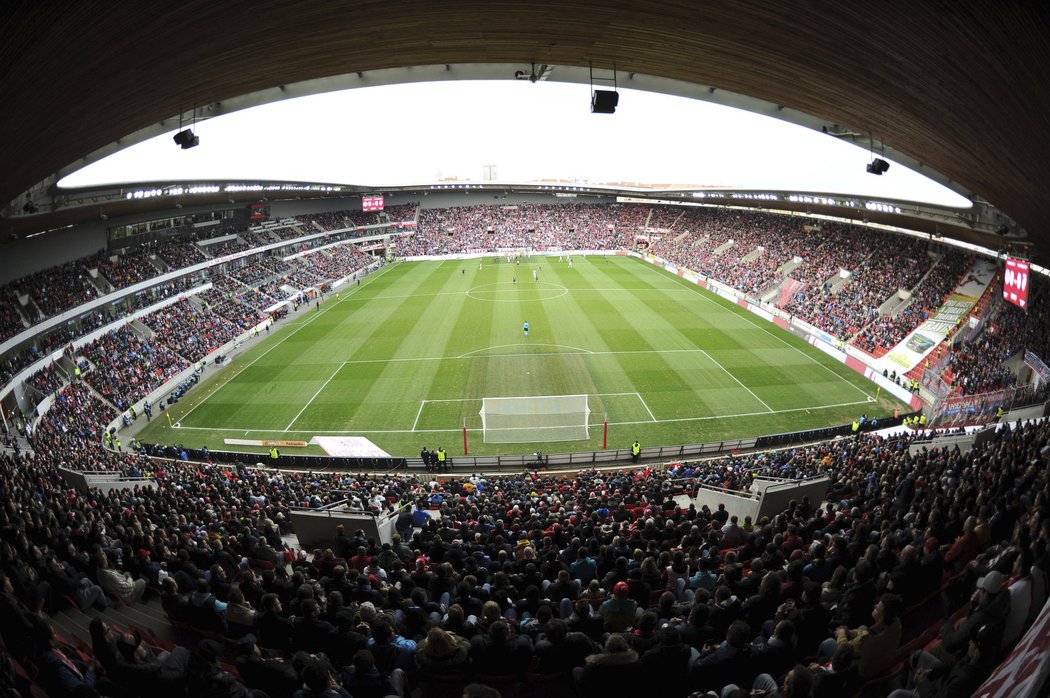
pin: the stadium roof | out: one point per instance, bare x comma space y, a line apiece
959, 89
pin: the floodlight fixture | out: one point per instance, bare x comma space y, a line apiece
187, 139
878, 166
604, 101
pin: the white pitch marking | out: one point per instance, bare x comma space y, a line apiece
421, 403
745, 317
642, 399
635, 422
312, 316
323, 386
738, 381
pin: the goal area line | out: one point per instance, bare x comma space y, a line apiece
424, 403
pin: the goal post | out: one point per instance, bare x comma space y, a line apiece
532, 419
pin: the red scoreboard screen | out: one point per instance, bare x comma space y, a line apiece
259, 212
1015, 282
372, 203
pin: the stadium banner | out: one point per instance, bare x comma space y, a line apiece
925, 338
977, 280
1023, 672
1037, 365
964, 410
917, 345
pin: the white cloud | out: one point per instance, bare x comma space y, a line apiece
407, 134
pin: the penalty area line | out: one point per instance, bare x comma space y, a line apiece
323, 386
297, 326
646, 406
479, 429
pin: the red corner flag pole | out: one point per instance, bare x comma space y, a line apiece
464, 439
605, 435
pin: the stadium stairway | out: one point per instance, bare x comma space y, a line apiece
73, 624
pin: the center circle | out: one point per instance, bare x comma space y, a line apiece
507, 292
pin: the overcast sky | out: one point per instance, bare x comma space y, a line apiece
419, 133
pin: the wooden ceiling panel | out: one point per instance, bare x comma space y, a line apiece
962, 86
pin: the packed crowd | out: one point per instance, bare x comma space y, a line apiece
221, 249
927, 298
125, 367
11, 320
532, 226
48, 379
60, 336
978, 367
127, 269
891, 263
241, 305
600, 580
178, 254
53, 290
336, 220
400, 212
260, 270
189, 331
57, 289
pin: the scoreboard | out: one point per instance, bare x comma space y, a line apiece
372, 203
1015, 282
259, 212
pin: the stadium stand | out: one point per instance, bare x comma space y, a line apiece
534, 582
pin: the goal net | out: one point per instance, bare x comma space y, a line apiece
515, 420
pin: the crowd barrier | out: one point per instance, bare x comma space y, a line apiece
517, 463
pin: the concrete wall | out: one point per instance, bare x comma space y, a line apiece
50, 249
777, 495
316, 528
106, 482
739, 505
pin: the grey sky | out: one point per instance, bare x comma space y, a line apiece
420, 133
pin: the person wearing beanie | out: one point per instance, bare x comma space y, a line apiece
619, 612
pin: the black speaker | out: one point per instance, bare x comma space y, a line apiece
186, 139
878, 166
604, 101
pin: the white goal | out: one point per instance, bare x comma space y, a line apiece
534, 419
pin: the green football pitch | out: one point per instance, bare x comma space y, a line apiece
406, 358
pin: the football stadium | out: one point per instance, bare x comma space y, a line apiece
503, 350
